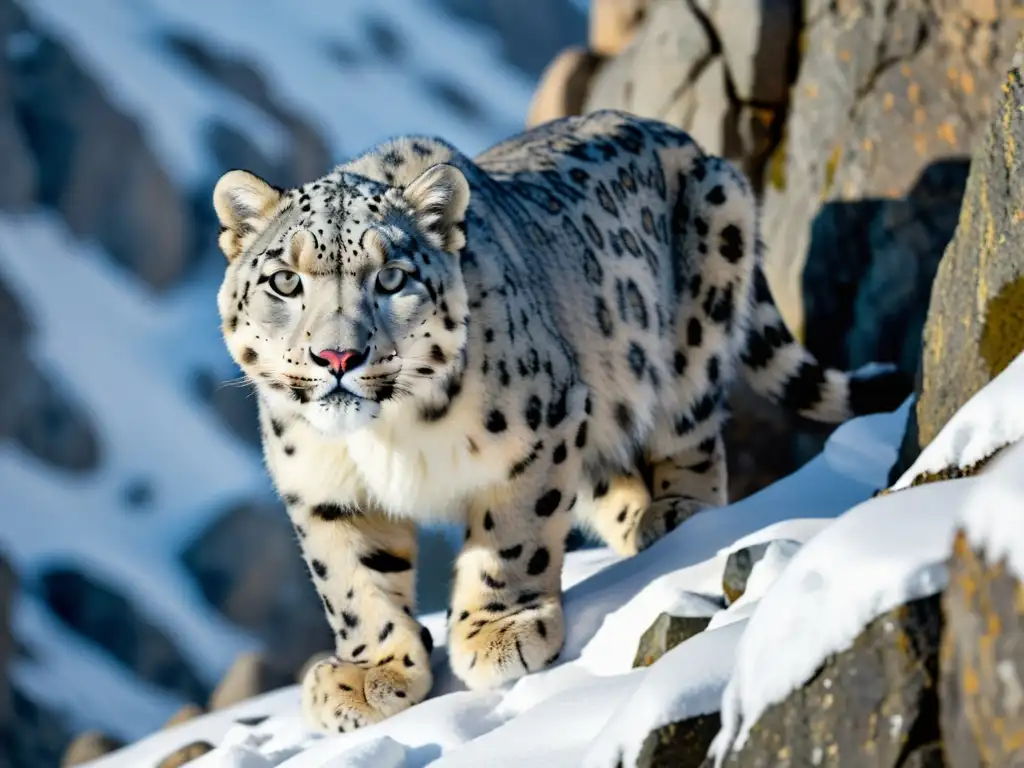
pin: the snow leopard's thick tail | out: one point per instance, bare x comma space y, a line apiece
779, 367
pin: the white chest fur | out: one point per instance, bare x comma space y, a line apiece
418, 470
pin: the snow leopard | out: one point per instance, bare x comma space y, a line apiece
542, 334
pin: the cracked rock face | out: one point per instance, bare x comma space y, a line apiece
975, 322
885, 91
719, 69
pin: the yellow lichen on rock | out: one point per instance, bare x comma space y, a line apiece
1002, 335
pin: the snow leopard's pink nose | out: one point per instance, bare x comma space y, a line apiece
338, 360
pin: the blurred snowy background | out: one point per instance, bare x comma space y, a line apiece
141, 548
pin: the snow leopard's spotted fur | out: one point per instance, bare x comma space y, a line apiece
576, 303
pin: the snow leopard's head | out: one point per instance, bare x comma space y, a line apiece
343, 299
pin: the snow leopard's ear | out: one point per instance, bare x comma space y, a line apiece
439, 197
245, 205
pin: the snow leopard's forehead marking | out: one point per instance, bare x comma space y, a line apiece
348, 221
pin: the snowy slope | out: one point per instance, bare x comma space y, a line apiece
859, 558
592, 708
127, 355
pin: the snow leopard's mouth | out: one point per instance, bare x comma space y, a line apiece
338, 395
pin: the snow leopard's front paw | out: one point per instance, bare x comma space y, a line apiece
340, 696
500, 643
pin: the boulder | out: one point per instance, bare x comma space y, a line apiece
888, 102
666, 633
563, 86
613, 24
679, 745
975, 321
248, 566
185, 754
89, 745
719, 70
855, 122
875, 703
756, 40
740, 564
183, 715
982, 660
251, 674
670, 51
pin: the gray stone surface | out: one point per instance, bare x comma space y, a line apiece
874, 703
756, 39
679, 745
982, 662
185, 754
740, 565
666, 633
884, 91
870, 267
975, 320
668, 53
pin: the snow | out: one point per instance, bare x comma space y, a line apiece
993, 519
689, 682
988, 421
593, 708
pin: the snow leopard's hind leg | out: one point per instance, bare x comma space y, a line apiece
630, 511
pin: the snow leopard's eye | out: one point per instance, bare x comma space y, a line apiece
390, 279
286, 283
